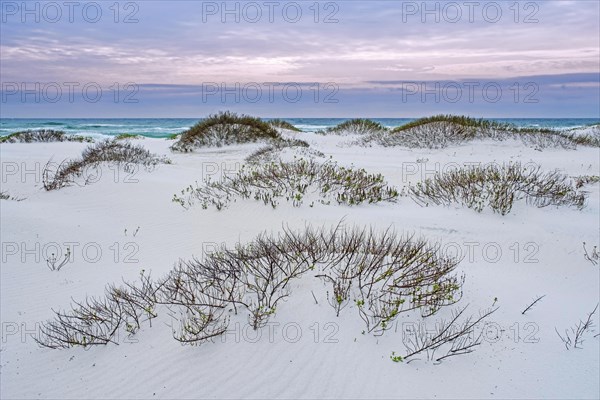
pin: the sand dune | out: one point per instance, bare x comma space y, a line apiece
311, 352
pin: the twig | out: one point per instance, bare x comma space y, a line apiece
316, 302
532, 304
577, 332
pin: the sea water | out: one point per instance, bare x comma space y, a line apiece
164, 127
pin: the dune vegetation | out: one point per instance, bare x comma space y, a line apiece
225, 128
6, 196
379, 274
270, 152
279, 123
122, 154
461, 120
126, 136
357, 126
498, 187
585, 180
292, 181
43, 135
441, 131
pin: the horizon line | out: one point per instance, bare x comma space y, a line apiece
348, 117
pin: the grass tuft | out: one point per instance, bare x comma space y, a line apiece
225, 128
441, 131
461, 120
43, 135
126, 136
498, 187
6, 196
279, 123
110, 151
269, 153
584, 180
293, 181
357, 126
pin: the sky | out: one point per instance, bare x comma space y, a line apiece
300, 59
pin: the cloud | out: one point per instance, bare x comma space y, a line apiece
176, 43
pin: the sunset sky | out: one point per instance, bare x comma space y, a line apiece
545, 57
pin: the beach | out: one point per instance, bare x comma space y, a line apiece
119, 223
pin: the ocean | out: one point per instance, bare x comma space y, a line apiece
164, 127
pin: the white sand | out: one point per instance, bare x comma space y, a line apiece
527, 360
